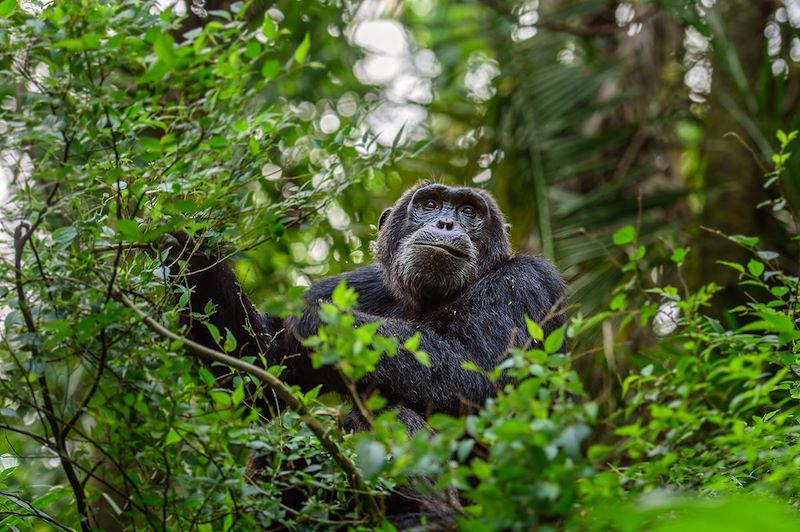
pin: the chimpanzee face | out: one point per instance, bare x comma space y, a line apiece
438, 240
447, 219
434, 242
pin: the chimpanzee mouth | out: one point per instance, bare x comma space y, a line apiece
452, 250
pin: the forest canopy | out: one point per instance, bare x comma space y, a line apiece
643, 147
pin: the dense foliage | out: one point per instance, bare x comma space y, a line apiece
669, 400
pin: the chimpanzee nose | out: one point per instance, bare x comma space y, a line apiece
445, 224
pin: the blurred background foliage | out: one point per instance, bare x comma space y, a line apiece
285, 129
580, 117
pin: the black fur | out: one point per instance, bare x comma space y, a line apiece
477, 323
445, 271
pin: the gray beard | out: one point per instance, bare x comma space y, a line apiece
423, 275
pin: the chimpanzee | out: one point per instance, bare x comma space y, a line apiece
443, 268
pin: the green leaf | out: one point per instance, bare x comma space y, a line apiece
270, 69
423, 358
591, 410
172, 437
774, 321
534, 330
343, 297
157, 71
512, 429
302, 50
376, 402
624, 235
208, 377
238, 395
91, 41
164, 48
412, 343
679, 255
780, 158
314, 341
771, 321
464, 448
554, 341
277, 229
619, 302
230, 341
269, 28
150, 144
736, 266
252, 50
370, 457
471, 366
755, 267
779, 291
212, 329
481, 469
7, 8
70, 44
599, 452
218, 141
63, 236
129, 230
221, 398
747, 241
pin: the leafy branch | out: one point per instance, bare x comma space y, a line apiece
22, 235
320, 430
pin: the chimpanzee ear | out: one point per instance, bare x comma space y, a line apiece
383, 218
508, 228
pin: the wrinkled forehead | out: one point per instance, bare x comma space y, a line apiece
455, 195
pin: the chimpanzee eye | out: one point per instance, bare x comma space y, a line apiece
430, 204
468, 211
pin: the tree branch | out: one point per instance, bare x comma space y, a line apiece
320, 430
34, 512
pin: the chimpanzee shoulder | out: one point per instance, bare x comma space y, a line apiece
523, 285
541, 273
542, 286
373, 296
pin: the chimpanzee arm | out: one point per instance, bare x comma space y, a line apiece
214, 287
215, 291
479, 327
